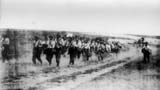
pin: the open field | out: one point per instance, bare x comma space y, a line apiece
122, 72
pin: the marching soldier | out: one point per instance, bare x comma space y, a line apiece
51, 42
64, 46
146, 53
37, 50
79, 47
50, 50
5, 48
72, 52
87, 50
58, 48
100, 51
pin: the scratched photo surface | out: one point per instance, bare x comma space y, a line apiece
79, 45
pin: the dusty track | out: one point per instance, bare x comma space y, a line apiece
30, 77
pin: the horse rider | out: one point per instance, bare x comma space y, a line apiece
37, 50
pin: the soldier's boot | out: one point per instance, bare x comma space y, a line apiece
34, 59
47, 58
79, 55
101, 57
73, 62
70, 62
50, 61
40, 60
144, 59
148, 59
58, 59
57, 63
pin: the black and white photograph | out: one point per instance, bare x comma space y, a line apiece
79, 44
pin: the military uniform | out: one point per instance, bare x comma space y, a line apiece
58, 50
37, 50
100, 51
146, 54
50, 50
72, 52
5, 49
89, 54
79, 47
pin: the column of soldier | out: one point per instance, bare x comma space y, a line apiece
75, 47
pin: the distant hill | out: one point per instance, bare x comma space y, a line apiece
21, 39
145, 36
54, 32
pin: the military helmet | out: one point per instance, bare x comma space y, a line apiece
36, 37
50, 37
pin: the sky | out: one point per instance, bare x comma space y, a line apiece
94, 16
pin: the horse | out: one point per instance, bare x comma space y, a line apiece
58, 52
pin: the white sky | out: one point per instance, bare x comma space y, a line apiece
100, 16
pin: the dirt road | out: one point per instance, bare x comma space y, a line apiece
134, 75
23, 75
